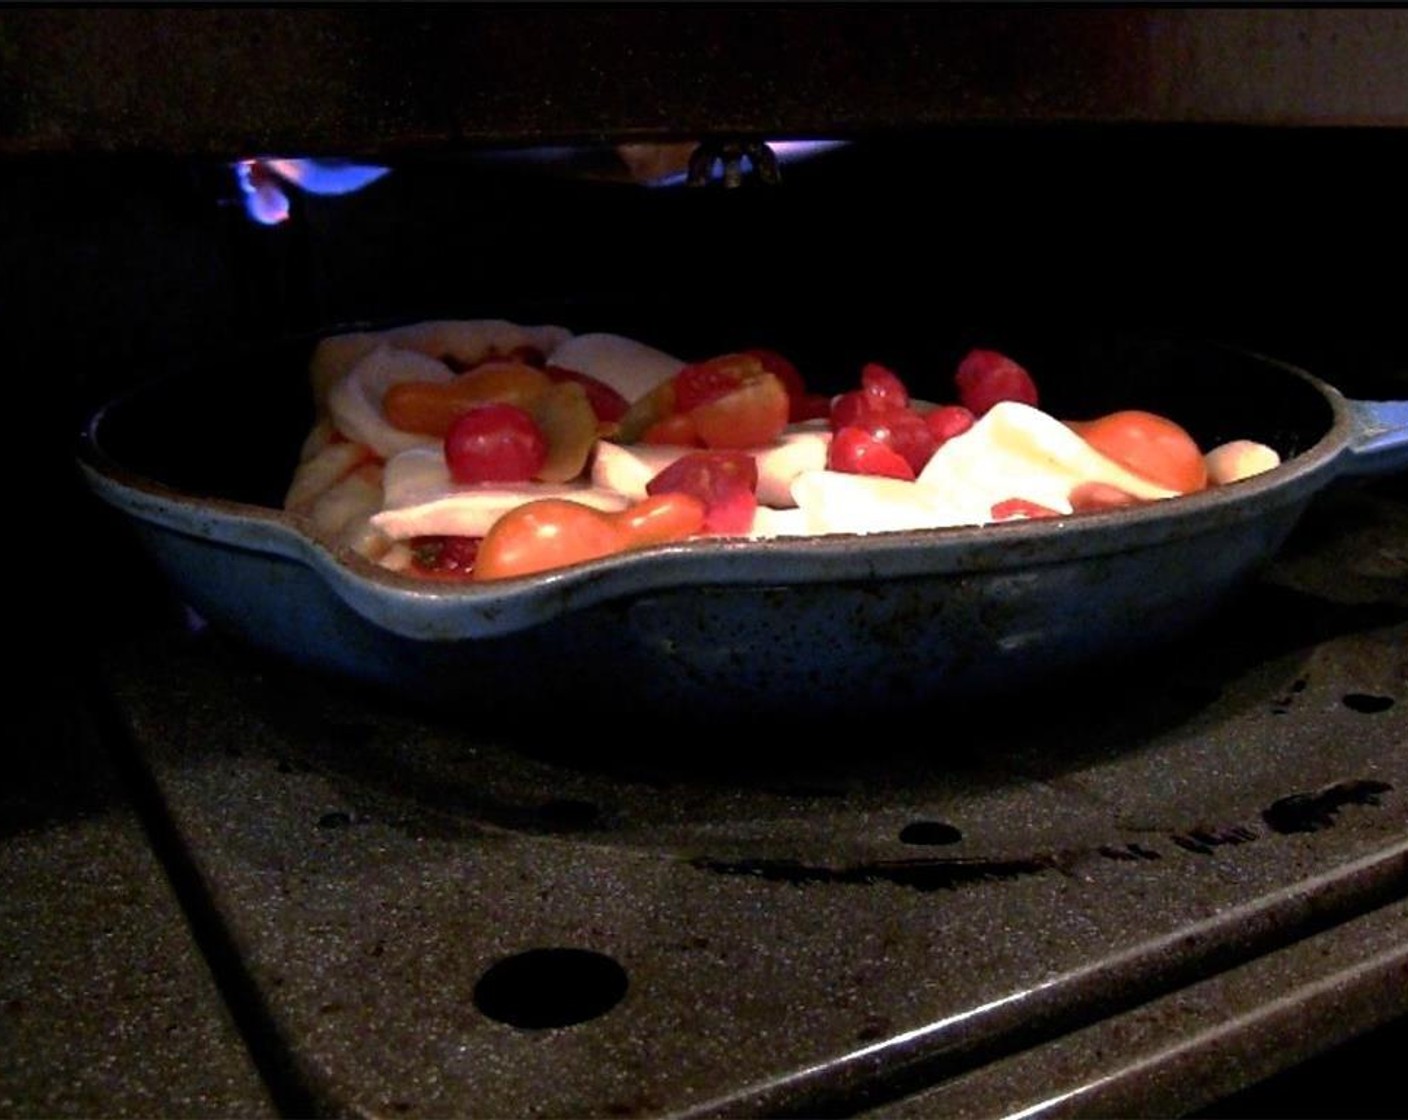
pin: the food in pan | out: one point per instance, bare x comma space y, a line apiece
484, 449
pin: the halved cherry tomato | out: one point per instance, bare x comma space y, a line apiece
802, 404
853, 450
881, 390
725, 481
1091, 497
734, 402
949, 420
675, 430
1149, 445
1012, 508
552, 533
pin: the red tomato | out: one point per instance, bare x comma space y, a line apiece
495, 443
949, 420
1091, 497
986, 377
1149, 445
675, 430
705, 382
903, 431
880, 390
883, 386
853, 450
734, 402
553, 532
802, 405
725, 481
1010, 508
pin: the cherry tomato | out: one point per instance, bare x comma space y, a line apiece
986, 377
552, 533
734, 402
1011, 508
949, 420
802, 404
880, 390
903, 431
853, 450
1149, 445
725, 481
495, 443
676, 430
1091, 497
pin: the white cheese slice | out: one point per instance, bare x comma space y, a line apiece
1017, 451
421, 499
471, 512
769, 522
628, 468
797, 451
839, 502
631, 368
354, 402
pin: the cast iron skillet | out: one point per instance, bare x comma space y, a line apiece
199, 462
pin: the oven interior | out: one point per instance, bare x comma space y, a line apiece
234, 887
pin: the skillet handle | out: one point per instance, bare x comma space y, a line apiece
1379, 443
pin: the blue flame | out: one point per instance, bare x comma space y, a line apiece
263, 182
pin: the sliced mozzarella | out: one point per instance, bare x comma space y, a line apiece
471, 341
415, 476
1017, 451
796, 452
838, 502
334, 356
355, 401
421, 499
628, 468
631, 368
768, 522
472, 511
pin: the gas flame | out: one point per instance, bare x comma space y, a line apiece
263, 182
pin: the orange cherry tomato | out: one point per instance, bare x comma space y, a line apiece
550, 533
675, 430
1149, 445
431, 407
753, 415
734, 401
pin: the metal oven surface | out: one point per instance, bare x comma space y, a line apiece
1135, 900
